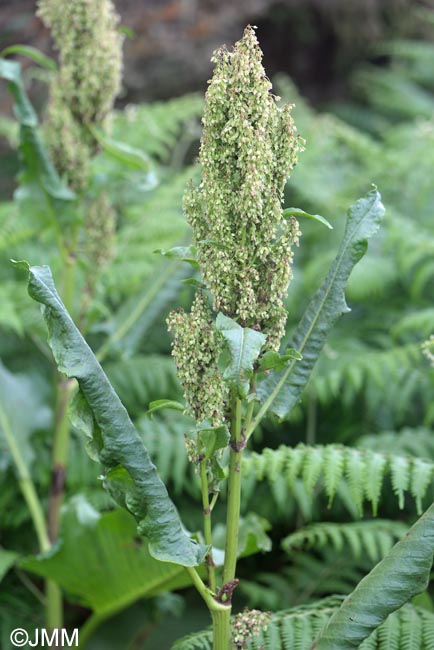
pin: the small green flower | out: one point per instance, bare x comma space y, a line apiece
248, 149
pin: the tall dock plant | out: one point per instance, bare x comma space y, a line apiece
230, 360
81, 97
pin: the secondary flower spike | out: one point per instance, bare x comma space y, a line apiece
248, 149
196, 349
83, 91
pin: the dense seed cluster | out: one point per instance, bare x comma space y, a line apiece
248, 149
246, 625
196, 349
88, 80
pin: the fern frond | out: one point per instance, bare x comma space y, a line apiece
156, 222
364, 471
164, 439
296, 629
157, 126
143, 379
408, 441
375, 538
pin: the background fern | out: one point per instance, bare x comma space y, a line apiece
298, 628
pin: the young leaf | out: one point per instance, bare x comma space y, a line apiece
160, 404
212, 439
122, 152
180, 253
283, 390
130, 474
32, 53
274, 361
402, 574
244, 346
296, 212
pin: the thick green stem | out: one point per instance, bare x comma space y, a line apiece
237, 445
221, 621
207, 525
65, 391
221, 614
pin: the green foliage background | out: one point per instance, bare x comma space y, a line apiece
368, 410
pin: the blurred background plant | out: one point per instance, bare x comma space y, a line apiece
369, 119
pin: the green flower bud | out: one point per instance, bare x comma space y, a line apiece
248, 149
196, 348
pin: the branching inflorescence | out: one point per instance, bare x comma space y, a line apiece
244, 244
83, 91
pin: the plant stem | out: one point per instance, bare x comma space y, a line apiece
221, 614
27, 487
26, 484
65, 391
207, 525
221, 621
237, 445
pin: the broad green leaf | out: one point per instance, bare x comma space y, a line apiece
296, 212
32, 53
402, 574
22, 410
7, 561
37, 165
122, 152
244, 346
283, 390
102, 563
161, 404
130, 475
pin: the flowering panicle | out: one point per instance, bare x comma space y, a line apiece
88, 80
248, 149
196, 349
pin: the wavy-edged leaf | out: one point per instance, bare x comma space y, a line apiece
130, 475
402, 574
283, 390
